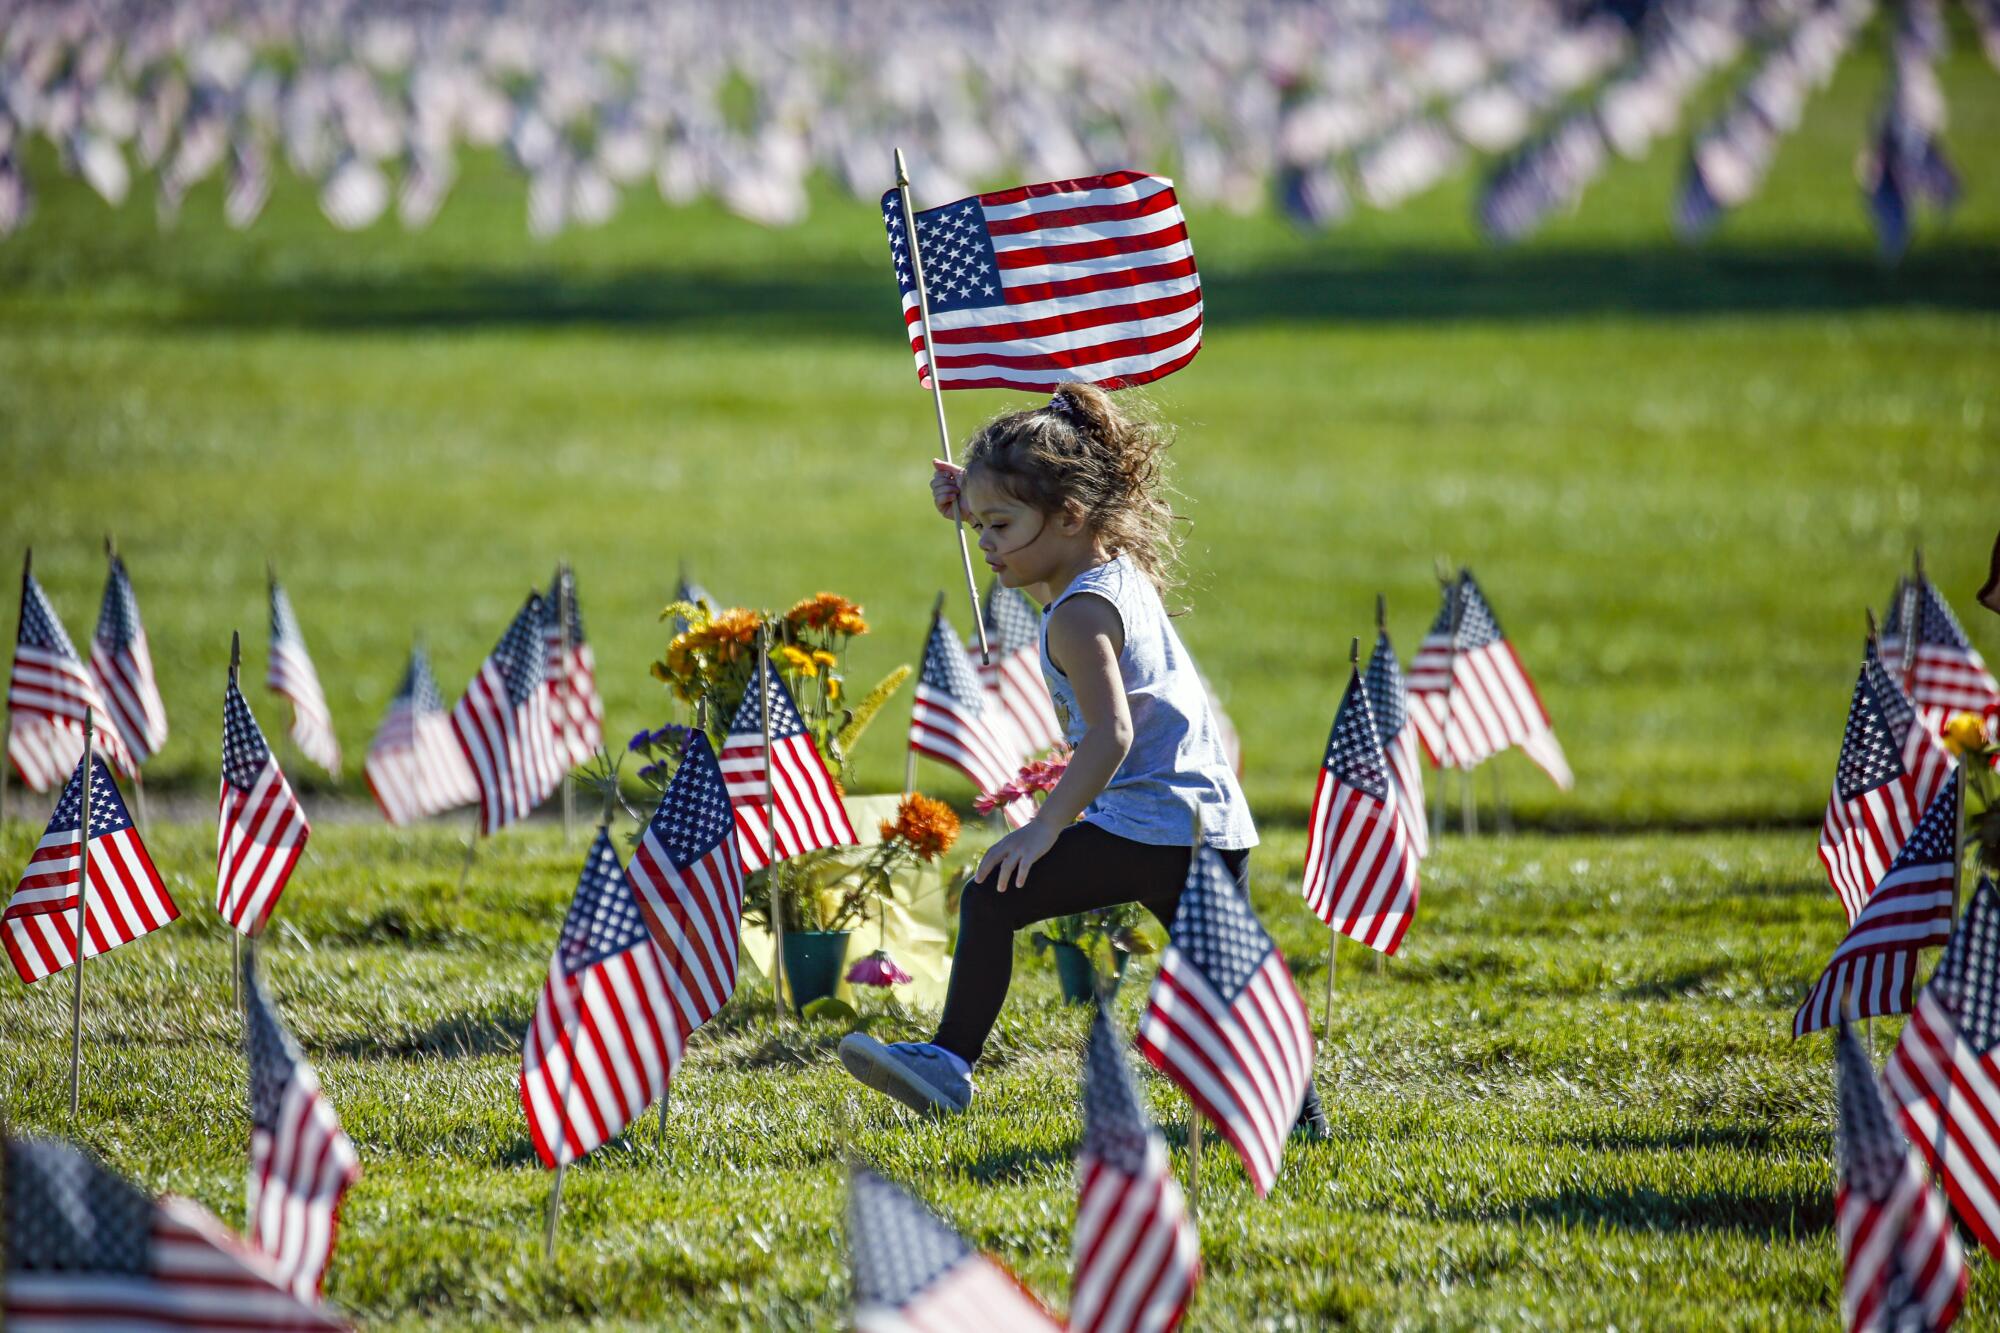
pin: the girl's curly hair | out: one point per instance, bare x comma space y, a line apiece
1079, 448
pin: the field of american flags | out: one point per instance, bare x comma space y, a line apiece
1678, 475
1603, 1095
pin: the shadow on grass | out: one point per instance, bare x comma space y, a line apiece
1342, 285
1773, 1215
1734, 1138
462, 1036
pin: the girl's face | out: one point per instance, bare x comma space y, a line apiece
1021, 545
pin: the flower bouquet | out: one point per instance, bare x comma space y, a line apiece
1975, 739
1078, 938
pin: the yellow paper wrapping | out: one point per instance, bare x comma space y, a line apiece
917, 924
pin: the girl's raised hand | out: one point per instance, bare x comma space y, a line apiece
944, 489
1010, 859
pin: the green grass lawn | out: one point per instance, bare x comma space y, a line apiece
1573, 1101
1681, 473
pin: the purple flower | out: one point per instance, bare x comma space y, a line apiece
640, 740
878, 969
653, 773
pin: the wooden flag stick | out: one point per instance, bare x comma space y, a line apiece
6, 761
555, 1216
1503, 818
937, 389
1194, 1161
1333, 936
563, 599
82, 900
1468, 806
771, 825
1958, 849
235, 936
471, 850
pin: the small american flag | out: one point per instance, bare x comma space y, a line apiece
1472, 696
1225, 1022
126, 897
301, 1163
1088, 279
87, 1250
260, 826
1903, 1266
1361, 868
1893, 640
1389, 701
914, 1274
1947, 674
121, 665
575, 705
603, 1044
688, 874
1874, 970
1890, 770
48, 695
810, 813
503, 726
291, 675
953, 721
1134, 1255
1014, 678
1945, 1070
414, 766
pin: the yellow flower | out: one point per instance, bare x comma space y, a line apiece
1964, 733
832, 689
825, 658
796, 661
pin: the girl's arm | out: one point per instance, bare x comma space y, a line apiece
1085, 638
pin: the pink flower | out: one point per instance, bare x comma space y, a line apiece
878, 969
1036, 776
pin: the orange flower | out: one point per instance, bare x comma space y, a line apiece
735, 625
928, 827
828, 611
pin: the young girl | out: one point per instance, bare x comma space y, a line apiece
1066, 501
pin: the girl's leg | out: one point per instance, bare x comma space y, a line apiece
1087, 868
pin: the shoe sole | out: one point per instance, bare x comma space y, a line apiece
870, 1063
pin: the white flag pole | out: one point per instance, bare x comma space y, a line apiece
937, 389
6, 761
910, 751
82, 900
771, 825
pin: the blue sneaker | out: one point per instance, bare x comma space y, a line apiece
923, 1077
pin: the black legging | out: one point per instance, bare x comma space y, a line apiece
1087, 868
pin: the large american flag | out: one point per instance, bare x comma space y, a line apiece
292, 676
603, 1044
301, 1163
47, 696
126, 898
1874, 970
1013, 679
1890, 770
1225, 1022
809, 812
953, 721
914, 1274
1087, 279
87, 1251
1471, 696
577, 710
1361, 866
1903, 1266
260, 826
1947, 674
1389, 701
688, 874
414, 766
1945, 1070
121, 664
1134, 1256
502, 723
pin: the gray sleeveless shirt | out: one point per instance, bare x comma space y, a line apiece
1176, 758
